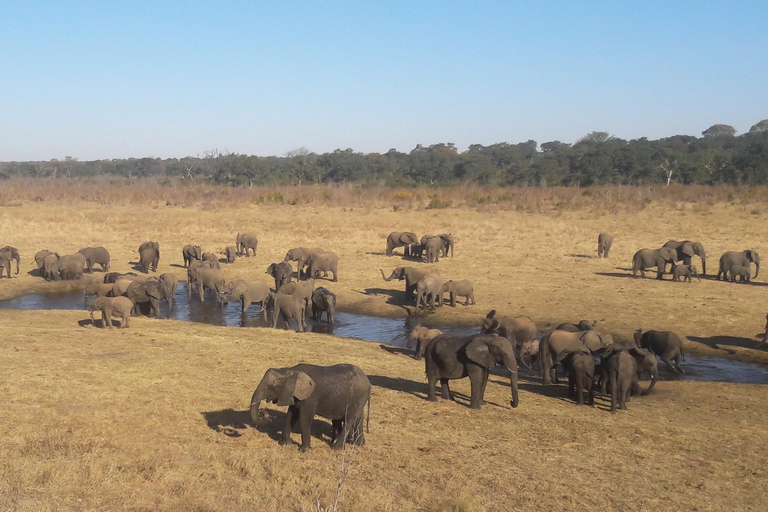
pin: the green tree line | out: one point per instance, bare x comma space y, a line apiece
718, 156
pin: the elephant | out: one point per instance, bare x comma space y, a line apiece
581, 374
686, 271
193, 274
120, 287
553, 344
417, 250
40, 258
742, 272
5, 263
450, 356
149, 256
604, 243
289, 306
686, 250
325, 262
583, 325
529, 353
302, 255
71, 266
246, 243
112, 306
213, 259
282, 272
765, 336
665, 344
518, 330
338, 392
230, 253
447, 239
412, 275
301, 289
50, 267
211, 279
644, 360
323, 300
462, 289
148, 291
171, 283
732, 259
191, 253
247, 293
96, 255
647, 258
621, 368
398, 239
113, 277
12, 254
429, 290
98, 289
421, 336
433, 246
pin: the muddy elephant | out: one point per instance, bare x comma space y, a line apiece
552, 345
11, 253
71, 266
325, 262
301, 289
230, 253
302, 255
412, 275
112, 306
665, 344
149, 256
518, 330
450, 356
686, 272
324, 301
149, 291
98, 289
604, 243
191, 253
401, 239
648, 258
338, 393
429, 292
95, 256
287, 306
421, 336
282, 273
247, 293
212, 259
171, 283
210, 279
461, 288
686, 250
580, 367
732, 259
245, 243
583, 325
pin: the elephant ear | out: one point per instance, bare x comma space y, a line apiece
298, 386
477, 351
687, 249
271, 268
491, 314
405, 238
562, 356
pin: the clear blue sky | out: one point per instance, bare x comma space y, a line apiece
108, 79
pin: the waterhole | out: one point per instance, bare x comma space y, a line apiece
389, 331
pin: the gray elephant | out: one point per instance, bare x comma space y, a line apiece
604, 243
287, 306
302, 255
555, 343
686, 272
323, 301
645, 361
193, 274
417, 250
325, 262
686, 250
433, 246
732, 259
212, 259
461, 288
98, 289
282, 273
301, 289
412, 275
583, 325
112, 277
71, 266
210, 279
665, 344
421, 336
112, 306
400, 239
11, 253
40, 258
5, 264
621, 369
50, 267
429, 291
742, 273
94, 256
149, 256
648, 258
581, 374
518, 330
230, 253
246, 243
171, 283
448, 241
449, 356
765, 336
191, 253
150, 291
528, 353
120, 287
247, 293
338, 393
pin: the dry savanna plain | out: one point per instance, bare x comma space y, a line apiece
155, 417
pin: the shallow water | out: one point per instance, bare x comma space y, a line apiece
390, 331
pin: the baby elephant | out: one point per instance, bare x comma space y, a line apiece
741, 272
323, 300
113, 306
685, 271
231, 254
460, 288
529, 353
604, 243
581, 375
421, 336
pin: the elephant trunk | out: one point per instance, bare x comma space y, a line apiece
18, 262
385, 277
331, 312
85, 300
257, 415
703, 266
653, 383
757, 270
513, 384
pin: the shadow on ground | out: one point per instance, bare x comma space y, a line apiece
721, 342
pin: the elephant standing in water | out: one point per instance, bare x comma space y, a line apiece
282, 272
555, 343
648, 258
398, 239
289, 306
665, 344
518, 330
323, 301
247, 293
732, 259
686, 250
412, 276
11, 253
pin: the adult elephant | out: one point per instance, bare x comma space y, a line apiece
150, 291
324, 301
732, 259
40, 258
71, 266
247, 293
212, 259
50, 267
325, 262
433, 246
191, 253
302, 255
210, 279
282, 273
429, 290
171, 283
556, 343
401, 239
643, 359
301, 289
12, 254
519, 329
245, 243
604, 243
412, 275
450, 356
665, 344
193, 274
149, 256
583, 325
338, 393
288, 306
648, 258
94, 256
687, 250
447, 239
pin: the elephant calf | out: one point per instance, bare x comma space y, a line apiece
113, 306
421, 336
231, 254
462, 289
686, 271
743, 272
98, 289
581, 375
323, 301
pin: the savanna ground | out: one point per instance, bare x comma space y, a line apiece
155, 417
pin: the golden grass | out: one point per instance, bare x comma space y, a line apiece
154, 417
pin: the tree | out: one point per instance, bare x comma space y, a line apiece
762, 126
719, 130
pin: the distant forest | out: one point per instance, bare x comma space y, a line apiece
718, 156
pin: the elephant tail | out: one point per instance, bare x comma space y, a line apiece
368, 417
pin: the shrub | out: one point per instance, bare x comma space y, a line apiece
438, 204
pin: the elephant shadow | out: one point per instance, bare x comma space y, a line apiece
176, 265
394, 297
718, 341
581, 256
417, 389
396, 350
373, 253
230, 422
35, 272
98, 322
620, 274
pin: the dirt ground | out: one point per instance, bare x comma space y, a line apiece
155, 417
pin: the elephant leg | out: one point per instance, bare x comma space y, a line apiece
275, 316
125, 320
103, 319
431, 388
580, 390
483, 385
291, 417
445, 391
336, 426
614, 392
154, 307
306, 413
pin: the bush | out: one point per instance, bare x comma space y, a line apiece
438, 204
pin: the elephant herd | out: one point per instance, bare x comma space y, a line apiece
431, 247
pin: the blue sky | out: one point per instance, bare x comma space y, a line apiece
99, 79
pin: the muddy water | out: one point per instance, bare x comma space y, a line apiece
390, 331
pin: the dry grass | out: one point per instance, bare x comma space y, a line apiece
154, 417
